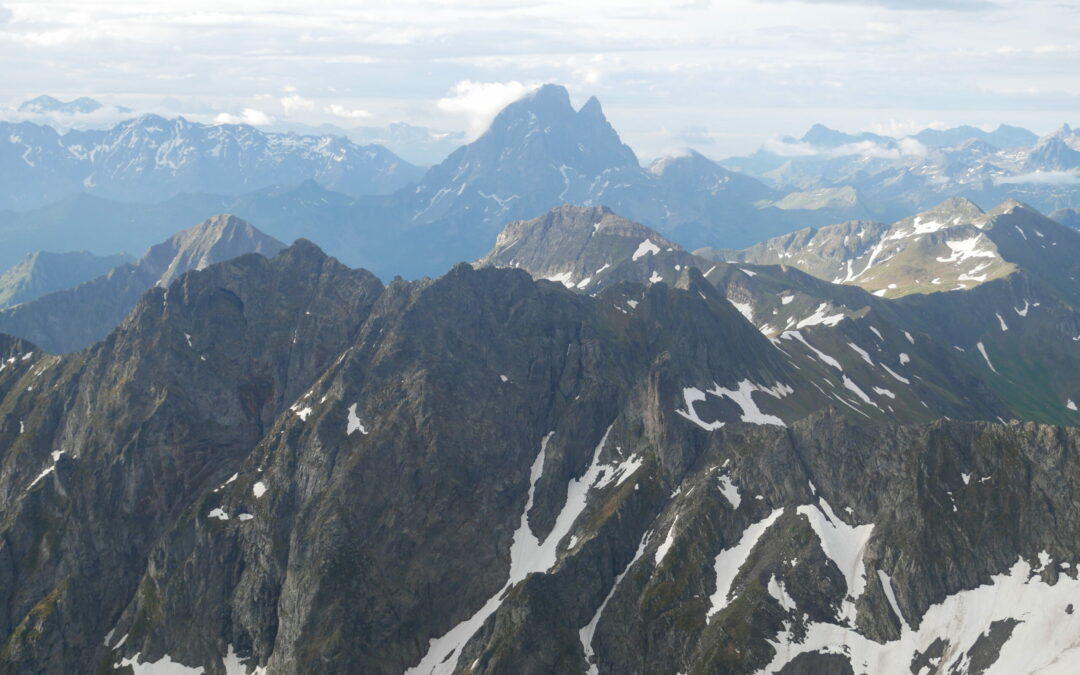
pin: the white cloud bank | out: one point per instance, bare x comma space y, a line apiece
904, 147
256, 118
296, 103
479, 102
348, 113
1042, 178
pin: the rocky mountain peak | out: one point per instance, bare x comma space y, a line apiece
218, 238
588, 248
819, 134
1011, 205
1055, 152
687, 159
1064, 131
955, 210
592, 109
548, 104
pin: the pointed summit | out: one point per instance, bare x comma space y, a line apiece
1010, 205
551, 94
587, 248
216, 239
1053, 153
537, 153
592, 109
546, 105
953, 211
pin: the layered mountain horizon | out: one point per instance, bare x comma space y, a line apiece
367, 206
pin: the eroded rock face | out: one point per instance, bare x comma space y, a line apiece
283, 464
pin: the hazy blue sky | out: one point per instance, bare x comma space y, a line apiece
721, 76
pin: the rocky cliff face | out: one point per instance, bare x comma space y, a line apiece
74, 318
281, 464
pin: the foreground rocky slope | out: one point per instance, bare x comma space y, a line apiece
284, 465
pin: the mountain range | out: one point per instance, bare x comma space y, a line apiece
286, 466
539, 152
373, 210
886, 178
151, 158
669, 419
979, 331
47, 104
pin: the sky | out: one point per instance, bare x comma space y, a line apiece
722, 76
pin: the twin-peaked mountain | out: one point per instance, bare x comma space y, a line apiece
540, 153
286, 466
151, 158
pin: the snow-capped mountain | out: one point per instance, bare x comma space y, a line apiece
151, 158
896, 177
953, 246
1001, 288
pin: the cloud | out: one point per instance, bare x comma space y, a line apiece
901, 128
910, 5
296, 103
785, 149
5, 14
696, 135
479, 102
903, 148
911, 147
1042, 178
341, 111
105, 116
250, 116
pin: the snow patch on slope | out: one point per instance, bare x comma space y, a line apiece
645, 248
730, 561
844, 545
1042, 641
